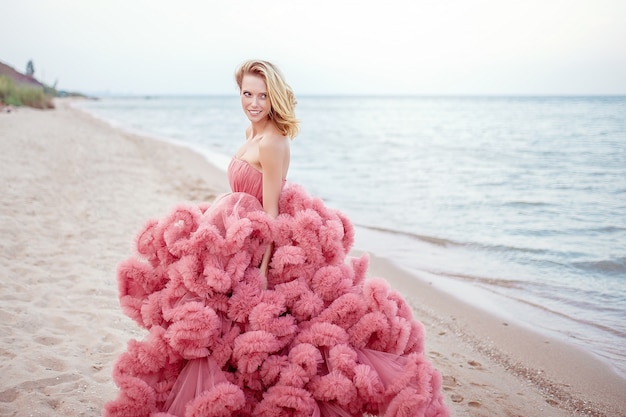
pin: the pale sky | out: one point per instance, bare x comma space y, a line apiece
322, 46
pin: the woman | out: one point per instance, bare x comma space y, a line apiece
269, 105
254, 308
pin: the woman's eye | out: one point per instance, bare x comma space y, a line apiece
263, 96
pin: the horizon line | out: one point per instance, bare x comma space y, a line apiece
364, 95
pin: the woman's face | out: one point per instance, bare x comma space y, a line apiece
254, 98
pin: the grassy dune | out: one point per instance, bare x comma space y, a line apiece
12, 94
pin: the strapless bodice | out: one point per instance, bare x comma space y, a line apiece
244, 178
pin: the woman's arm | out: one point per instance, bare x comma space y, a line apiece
271, 157
272, 152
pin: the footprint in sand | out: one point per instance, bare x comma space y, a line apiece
449, 384
456, 398
474, 364
449, 381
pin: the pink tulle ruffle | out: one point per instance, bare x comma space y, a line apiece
319, 341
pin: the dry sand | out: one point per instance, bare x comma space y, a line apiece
74, 193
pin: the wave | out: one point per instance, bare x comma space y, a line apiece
609, 229
527, 204
493, 284
575, 318
428, 239
486, 281
446, 242
608, 266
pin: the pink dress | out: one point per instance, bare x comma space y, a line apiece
321, 341
244, 178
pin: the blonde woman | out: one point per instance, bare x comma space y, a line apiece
269, 103
254, 307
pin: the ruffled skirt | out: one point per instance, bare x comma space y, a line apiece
321, 340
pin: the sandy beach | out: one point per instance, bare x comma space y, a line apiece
74, 193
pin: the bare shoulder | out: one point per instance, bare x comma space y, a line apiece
274, 143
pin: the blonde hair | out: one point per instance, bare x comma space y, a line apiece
281, 95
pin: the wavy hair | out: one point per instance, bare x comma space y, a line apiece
281, 96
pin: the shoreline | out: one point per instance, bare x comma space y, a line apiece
79, 190
563, 372
423, 259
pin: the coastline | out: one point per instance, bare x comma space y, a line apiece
78, 190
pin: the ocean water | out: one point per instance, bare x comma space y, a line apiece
516, 204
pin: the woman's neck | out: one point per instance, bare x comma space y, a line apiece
260, 128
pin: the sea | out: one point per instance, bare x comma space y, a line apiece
514, 204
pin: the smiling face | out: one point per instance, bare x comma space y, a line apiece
254, 98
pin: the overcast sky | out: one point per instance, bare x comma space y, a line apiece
322, 46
